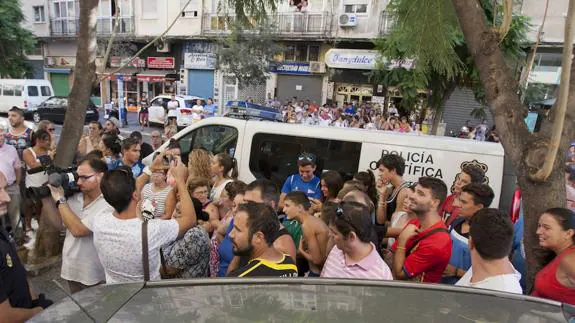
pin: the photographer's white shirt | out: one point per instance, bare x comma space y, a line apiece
80, 262
119, 246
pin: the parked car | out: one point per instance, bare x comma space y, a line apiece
159, 108
299, 300
23, 93
54, 109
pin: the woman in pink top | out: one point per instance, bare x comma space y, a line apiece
354, 255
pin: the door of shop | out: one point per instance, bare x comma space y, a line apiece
301, 86
201, 83
60, 84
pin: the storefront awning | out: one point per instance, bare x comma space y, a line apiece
153, 75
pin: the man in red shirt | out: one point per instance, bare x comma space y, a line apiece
450, 208
423, 248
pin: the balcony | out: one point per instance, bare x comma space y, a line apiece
385, 23
297, 24
69, 26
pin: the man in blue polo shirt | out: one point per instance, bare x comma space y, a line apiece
304, 181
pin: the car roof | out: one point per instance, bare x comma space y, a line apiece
299, 299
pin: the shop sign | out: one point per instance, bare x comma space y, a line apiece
151, 78
117, 61
200, 61
299, 68
351, 59
161, 62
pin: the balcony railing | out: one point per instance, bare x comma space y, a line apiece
385, 23
288, 24
70, 26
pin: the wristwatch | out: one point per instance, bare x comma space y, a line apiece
61, 200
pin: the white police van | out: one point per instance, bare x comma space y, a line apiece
270, 150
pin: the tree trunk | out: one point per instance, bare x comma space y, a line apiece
47, 241
79, 98
524, 149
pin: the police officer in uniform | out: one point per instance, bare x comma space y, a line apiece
16, 297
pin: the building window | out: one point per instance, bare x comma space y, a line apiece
39, 15
355, 8
191, 10
301, 53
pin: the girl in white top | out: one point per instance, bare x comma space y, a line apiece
157, 191
41, 148
224, 169
31, 156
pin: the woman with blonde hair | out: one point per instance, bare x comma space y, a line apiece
199, 164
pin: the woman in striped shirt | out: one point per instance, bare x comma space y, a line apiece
156, 191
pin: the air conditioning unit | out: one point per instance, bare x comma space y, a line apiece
348, 20
316, 67
163, 46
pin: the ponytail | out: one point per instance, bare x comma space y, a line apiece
235, 172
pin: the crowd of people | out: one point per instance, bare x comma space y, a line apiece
131, 222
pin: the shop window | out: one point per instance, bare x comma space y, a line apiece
45, 90
313, 53
39, 15
214, 138
274, 156
33, 91
355, 8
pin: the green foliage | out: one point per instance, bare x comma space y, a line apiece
248, 11
535, 93
248, 54
15, 41
439, 46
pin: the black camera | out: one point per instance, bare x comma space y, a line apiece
66, 178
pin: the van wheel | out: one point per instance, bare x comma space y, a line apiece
36, 117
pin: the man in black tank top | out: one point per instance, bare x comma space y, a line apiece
391, 187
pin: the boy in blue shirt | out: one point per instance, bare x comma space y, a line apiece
304, 181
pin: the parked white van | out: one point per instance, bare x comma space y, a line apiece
270, 150
23, 93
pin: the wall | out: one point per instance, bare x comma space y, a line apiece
154, 24
39, 29
555, 22
368, 23
60, 48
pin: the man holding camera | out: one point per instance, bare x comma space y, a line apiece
81, 266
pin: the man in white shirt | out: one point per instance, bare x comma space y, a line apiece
490, 242
118, 234
81, 267
11, 167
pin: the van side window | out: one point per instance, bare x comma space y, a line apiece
8, 90
18, 90
214, 138
45, 90
32, 91
275, 156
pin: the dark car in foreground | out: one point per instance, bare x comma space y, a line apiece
299, 300
54, 109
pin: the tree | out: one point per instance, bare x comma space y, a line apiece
15, 41
249, 53
537, 158
442, 56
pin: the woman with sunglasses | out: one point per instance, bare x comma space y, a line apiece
354, 255
556, 232
51, 128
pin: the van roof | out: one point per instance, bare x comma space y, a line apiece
21, 81
390, 138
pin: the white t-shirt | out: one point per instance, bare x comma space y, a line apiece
119, 245
80, 262
504, 283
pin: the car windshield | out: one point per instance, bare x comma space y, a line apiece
190, 103
269, 300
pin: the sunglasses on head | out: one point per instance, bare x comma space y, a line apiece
341, 215
307, 157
